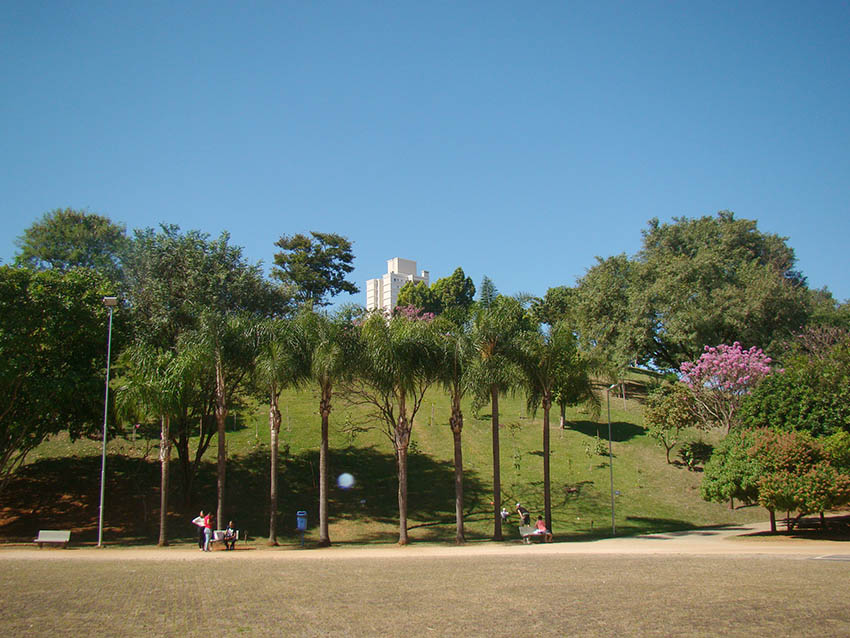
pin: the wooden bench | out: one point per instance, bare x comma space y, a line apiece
57, 537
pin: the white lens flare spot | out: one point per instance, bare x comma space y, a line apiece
345, 480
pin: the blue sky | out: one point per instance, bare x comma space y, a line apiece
517, 140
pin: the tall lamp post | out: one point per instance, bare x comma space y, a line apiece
611, 456
111, 303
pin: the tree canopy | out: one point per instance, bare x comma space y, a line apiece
315, 267
694, 282
66, 238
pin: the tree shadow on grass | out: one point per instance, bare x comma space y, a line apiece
620, 430
64, 493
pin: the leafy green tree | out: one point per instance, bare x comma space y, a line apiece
493, 372
694, 282
456, 294
606, 317
53, 333
186, 288
315, 267
418, 295
399, 362
557, 305
66, 238
732, 472
797, 475
667, 414
331, 353
811, 395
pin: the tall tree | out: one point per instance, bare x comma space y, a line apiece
66, 238
315, 267
456, 352
281, 361
456, 294
158, 384
52, 354
493, 372
400, 360
694, 282
331, 354
488, 293
549, 361
185, 287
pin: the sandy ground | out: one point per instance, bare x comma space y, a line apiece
727, 541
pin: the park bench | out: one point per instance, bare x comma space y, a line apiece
58, 537
218, 536
529, 533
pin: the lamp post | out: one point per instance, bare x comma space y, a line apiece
111, 303
611, 456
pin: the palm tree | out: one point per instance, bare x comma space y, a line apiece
227, 341
281, 361
157, 383
456, 352
492, 373
399, 361
330, 352
550, 365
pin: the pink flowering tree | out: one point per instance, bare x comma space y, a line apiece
718, 381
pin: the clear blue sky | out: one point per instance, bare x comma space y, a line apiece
517, 140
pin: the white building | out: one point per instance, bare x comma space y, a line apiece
383, 293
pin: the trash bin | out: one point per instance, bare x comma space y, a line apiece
301, 524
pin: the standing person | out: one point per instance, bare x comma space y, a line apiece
199, 521
504, 513
524, 514
208, 531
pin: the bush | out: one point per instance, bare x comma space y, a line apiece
695, 453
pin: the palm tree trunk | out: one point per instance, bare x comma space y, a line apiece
164, 459
325, 410
456, 423
497, 471
220, 416
401, 443
274, 433
547, 486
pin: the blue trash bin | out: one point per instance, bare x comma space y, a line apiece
301, 521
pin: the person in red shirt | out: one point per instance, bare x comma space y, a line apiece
208, 531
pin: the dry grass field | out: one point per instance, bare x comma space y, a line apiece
403, 592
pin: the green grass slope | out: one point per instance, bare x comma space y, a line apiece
59, 486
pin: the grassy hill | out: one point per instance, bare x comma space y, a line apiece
59, 486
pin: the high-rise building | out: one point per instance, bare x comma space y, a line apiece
383, 293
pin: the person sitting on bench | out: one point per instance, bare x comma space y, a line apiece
230, 536
541, 529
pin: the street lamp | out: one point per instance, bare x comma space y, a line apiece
611, 456
111, 303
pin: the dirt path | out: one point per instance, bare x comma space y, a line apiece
744, 540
